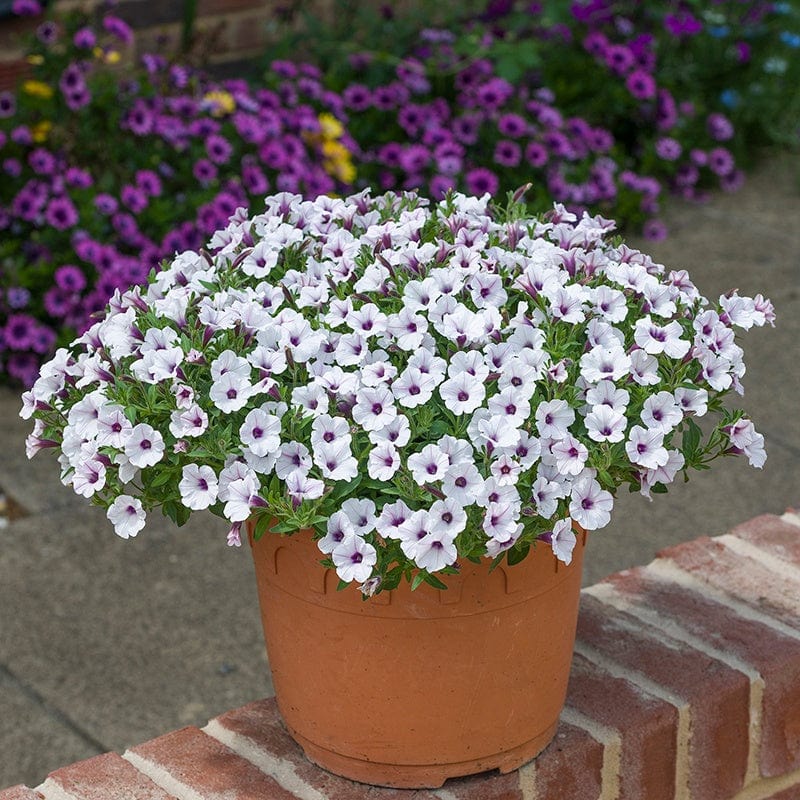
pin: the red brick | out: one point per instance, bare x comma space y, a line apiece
774, 655
742, 577
260, 725
209, 768
12, 72
648, 728
486, 786
719, 743
571, 766
19, 792
106, 776
773, 535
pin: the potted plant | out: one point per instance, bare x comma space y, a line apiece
434, 402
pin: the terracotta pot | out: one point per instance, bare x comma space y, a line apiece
411, 688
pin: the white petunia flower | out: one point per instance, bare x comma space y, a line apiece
412, 531
563, 540
339, 526
645, 447
463, 483
231, 392
144, 446
354, 559
604, 424
429, 465
336, 460
361, 512
655, 339
605, 393
238, 497
661, 412
604, 363
692, 401
511, 405
374, 408
505, 469
392, 516
664, 474
553, 418
300, 487
113, 427
383, 462
126, 515
89, 477
644, 368
590, 505
436, 550
545, 495
260, 432
292, 456
569, 455
462, 394
413, 388
198, 486
397, 432
326, 430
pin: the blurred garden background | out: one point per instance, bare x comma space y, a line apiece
131, 131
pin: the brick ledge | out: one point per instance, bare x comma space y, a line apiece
685, 685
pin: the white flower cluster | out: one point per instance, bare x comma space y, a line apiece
428, 383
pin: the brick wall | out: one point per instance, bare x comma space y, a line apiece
227, 31
685, 685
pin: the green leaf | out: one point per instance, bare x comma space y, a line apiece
162, 478
434, 581
518, 553
418, 579
262, 524
691, 439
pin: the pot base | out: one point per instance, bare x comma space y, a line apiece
421, 776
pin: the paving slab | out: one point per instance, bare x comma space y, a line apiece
35, 739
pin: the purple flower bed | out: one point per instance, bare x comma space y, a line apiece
106, 173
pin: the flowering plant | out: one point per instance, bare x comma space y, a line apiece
417, 383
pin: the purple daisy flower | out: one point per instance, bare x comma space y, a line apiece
133, 198
17, 297
105, 203
536, 154
219, 149
79, 178
84, 39
480, 181
19, 331
8, 105
641, 85
204, 171
70, 278
118, 27
61, 213
507, 153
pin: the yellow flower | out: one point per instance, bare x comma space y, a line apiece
35, 59
219, 102
330, 126
112, 57
37, 89
40, 130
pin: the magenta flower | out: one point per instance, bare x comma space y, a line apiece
641, 84
61, 213
480, 181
